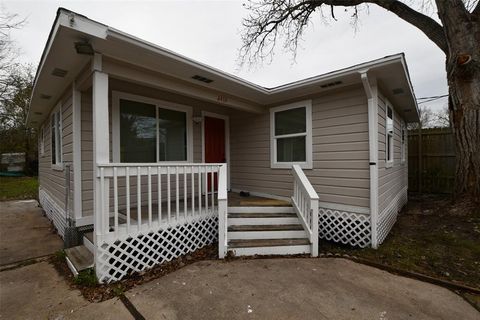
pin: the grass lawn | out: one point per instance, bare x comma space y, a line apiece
431, 236
17, 188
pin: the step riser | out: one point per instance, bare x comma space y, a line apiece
294, 234
261, 221
260, 210
88, 245
280, 250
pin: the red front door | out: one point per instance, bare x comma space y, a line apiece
214, 144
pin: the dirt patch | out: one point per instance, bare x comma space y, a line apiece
101, 292
432, 236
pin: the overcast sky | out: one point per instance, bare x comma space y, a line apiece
209, 32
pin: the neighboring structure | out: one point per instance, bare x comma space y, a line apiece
144, 136
12, 163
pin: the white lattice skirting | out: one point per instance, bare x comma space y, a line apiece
53, 211
116, 259
343, 226
387, 218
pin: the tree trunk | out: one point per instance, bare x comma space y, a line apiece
462, 31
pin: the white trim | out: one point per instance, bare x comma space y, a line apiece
56, 112
77, 151
403, 142
71, 266
308, 163
263, 209
389, 163
42, 141
227, 139
344, 207
371, 91
117, 95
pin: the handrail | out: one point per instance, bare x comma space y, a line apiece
305, 183
305, 203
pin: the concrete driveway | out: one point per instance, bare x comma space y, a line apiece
24, 232
294, 289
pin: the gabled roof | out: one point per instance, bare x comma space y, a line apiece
390, 72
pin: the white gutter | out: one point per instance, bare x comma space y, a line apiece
371, 90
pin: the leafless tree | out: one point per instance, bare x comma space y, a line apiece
8, 50
456, 33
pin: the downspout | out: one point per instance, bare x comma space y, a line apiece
369, 84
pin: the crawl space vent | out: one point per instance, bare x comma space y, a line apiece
45, 96
202, 79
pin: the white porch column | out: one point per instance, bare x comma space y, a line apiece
101, 145
371, 90
77, 153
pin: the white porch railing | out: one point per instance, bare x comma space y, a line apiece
305, 203
140, 198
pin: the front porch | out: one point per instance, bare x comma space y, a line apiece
161, 176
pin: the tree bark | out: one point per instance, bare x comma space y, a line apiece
462, 31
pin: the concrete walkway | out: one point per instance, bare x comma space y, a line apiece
24, 232
294, 289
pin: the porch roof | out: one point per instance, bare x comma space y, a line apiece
61, 64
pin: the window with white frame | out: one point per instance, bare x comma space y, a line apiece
389, 135
56, 137
151, 131
291, 135
403, 142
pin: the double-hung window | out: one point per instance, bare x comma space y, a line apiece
389, 136
56, 137
291, 135
151, 131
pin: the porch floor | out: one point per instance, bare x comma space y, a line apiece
234, 200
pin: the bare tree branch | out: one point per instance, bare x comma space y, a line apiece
271, 19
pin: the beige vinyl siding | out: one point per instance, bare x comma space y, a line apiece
53, 180
394, 179
340, 171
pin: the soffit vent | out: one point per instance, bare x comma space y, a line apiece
331, 84
45, 96
398, 91
202, 79
59, 72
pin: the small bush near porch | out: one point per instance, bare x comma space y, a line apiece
18, 188
432, 237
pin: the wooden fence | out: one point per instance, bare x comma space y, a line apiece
431, 163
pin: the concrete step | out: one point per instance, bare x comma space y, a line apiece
261, 221
259, 210
79, 258
269, 247
266, 227
237, 215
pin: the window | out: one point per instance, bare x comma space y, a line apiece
149, 130
389, 136
291, 135
403, 145
56, 138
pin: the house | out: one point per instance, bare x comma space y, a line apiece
144, 152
